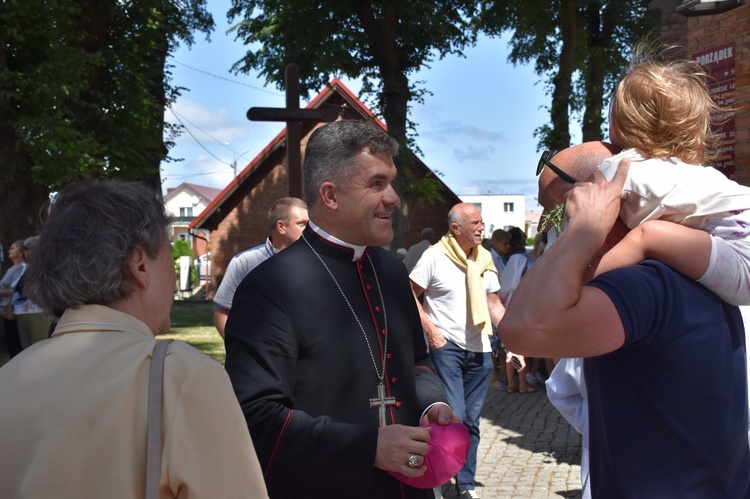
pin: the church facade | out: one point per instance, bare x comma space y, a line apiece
237, 218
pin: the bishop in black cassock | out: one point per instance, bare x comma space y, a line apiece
304, 376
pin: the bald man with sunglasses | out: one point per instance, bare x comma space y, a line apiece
643, 331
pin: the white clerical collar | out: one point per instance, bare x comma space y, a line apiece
359, 251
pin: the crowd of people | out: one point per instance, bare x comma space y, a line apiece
354, 372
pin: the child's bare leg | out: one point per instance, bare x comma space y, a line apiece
684, 249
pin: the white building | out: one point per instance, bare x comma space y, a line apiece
499, 211
184, 203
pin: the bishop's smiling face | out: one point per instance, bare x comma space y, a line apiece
366, 201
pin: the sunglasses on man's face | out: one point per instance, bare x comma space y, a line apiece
545, 161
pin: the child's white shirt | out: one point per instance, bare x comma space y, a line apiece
695, 196
671, 190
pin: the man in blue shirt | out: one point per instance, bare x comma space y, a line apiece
665, 365
287, 219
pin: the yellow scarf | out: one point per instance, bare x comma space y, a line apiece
474, 269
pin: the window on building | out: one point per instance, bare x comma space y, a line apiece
508, 207
186, 212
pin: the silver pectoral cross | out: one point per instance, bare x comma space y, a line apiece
381, 401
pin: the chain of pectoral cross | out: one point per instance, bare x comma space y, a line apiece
381, 401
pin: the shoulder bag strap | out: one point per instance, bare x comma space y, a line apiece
153, 445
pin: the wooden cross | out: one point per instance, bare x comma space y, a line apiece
293, 116
381, 401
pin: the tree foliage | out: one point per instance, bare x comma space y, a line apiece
383, 41
579, 47
182, 248
83, 87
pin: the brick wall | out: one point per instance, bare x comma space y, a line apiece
241, 220
706, 32
433, 215
246, 224
701, 33
674, 26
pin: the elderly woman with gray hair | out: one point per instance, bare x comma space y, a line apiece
75, 405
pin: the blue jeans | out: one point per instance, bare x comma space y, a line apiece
465, 377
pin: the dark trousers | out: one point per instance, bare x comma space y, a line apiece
12, 340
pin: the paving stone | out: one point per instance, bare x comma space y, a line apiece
527, 450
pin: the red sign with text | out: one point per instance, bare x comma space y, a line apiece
719, 62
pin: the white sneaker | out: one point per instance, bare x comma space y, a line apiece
469, 494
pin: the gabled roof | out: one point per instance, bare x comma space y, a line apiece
207, 193
334, 91
533, 216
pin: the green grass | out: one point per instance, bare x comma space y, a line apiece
192, 322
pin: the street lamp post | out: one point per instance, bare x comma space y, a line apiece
235, 156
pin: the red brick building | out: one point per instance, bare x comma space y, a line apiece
236, 218
721, 43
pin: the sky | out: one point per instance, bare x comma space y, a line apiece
476, 129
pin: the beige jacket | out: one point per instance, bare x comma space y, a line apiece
73, 417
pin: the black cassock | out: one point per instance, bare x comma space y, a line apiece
303, 374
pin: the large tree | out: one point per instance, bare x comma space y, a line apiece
383, 41
83, 87
579, 47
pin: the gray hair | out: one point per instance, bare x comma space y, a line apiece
88, 240
455, 215
31, 242
428, 233
331, 148
27, 245
281, 208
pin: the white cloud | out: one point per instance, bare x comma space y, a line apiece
206, 125
213, 139
449, 130
473, 153
201, 170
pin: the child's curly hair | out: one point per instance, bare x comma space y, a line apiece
664, 109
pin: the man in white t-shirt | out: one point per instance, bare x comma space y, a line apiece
287, 219
453, 273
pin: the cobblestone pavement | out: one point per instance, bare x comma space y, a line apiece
527, 450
